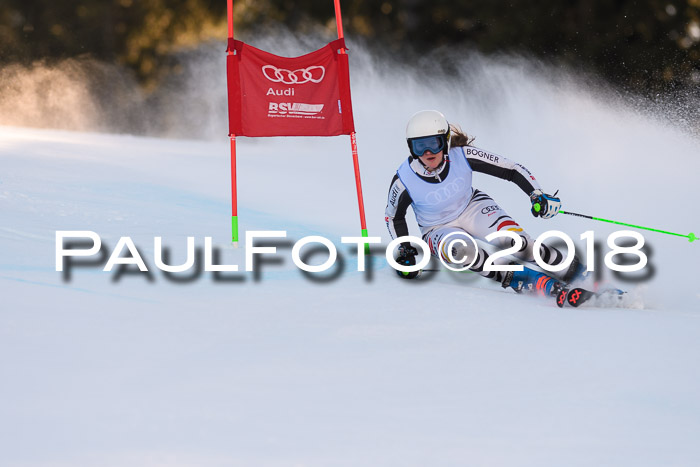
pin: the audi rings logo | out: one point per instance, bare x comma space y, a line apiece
446, 193
489, 209
312, 74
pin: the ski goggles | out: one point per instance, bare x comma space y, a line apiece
419, 146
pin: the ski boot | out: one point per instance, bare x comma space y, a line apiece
577, 272
529, 280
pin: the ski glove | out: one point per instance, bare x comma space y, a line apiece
544, 205
407, 257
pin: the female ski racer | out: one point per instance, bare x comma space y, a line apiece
436, 180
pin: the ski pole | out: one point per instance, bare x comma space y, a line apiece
691, 236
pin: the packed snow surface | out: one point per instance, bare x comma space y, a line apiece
345, 368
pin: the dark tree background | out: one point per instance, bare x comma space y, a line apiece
644, 46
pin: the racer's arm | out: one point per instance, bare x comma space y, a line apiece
498, 166
543, 205
395, 214
395, 217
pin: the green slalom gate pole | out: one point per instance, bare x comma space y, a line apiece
365, 234
691, 236
234, 229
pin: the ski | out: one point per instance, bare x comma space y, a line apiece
561, 297
577, 296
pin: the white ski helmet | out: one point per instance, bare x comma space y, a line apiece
427, 130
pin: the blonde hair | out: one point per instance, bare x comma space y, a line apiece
458, 137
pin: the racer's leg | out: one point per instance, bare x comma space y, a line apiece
463, 252
444, 242
483, 216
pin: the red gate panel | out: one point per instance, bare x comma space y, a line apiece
280, 96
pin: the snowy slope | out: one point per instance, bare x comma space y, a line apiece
358, 369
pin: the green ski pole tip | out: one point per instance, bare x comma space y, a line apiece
536, 207
692, 237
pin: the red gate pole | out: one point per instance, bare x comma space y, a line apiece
353, 143
234, 196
